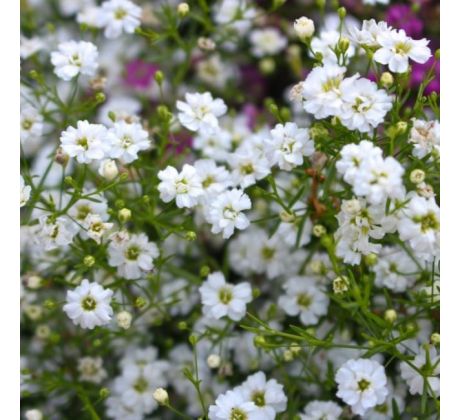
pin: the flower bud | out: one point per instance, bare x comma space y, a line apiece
108, 169
193, 339
104, 392
288, 356
33, 281
34, 312
417, 176
267, 65
183, 9
344, 44
390, 315
371, 259
159, 77
340, 285
190, 236
287, 217
61, 157
161, 396
435, 338
386, 79
401, 127
342, 12
259, 341
33, 414
304, 28
124, 215
89, 261
43, 331
206, 44
319, 230
140, 302
124, 319
213, 361
204, 271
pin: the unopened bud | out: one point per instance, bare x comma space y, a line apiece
304, 28
259, 341
340, 285
344, 44
287, 217
319, 230
390, 315
206, 44
435, 338
33, 281
140, 302
108, 169
159, 77
89, 261
61, 157
33, 414
124, 215
288, 356
204, 271
190, 236
417, 176
213, 361
371, 259
401, 127
342, 12
124, 319
267, 65
104, 392
183, 9
387, 79
161, 396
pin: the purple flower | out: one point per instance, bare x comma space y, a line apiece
401, 16
139, 74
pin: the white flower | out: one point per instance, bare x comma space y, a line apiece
364, 105
419, 225
231, 406
226, 212
267, 41
86, 142
29, 46
235, 14
304, 27
221, 299
127, 140
160, 394
362, 384
379, 179
95, 227
395, 270
25, 192
268, 396
136, 384
303, 297
185, 186
397, 48
56, 232
132, 255
425, 136
358, 223
288, 145
321, 91
215, 144
88, 305
369, 33
31, 128
247, 166
91, 369
73, 58
321, 410
200, 111
118, 16
33, 414
414, 380
214, 179
353, 155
